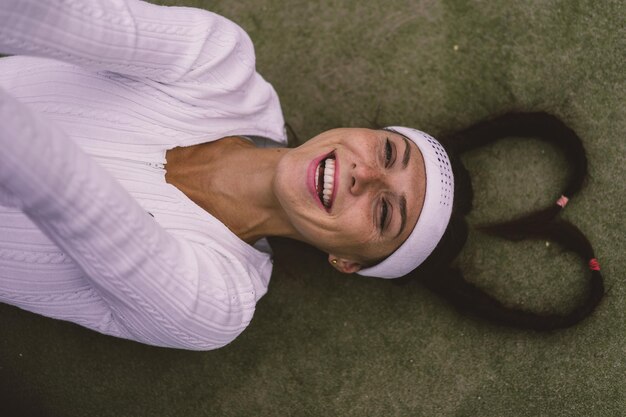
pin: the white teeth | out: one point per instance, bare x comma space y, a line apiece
326, 191
329, 180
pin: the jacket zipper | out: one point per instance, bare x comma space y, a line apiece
154, 165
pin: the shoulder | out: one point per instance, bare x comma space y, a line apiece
228, 38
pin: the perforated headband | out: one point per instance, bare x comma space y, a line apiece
436, 211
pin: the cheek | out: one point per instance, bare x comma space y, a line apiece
340, 235
353, 231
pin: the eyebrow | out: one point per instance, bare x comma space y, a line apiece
402, 214
405, 162
407, 152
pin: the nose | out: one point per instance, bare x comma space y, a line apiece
365, 178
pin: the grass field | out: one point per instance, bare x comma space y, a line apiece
325, 344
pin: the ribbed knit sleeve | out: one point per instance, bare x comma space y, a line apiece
161, 290
130, 37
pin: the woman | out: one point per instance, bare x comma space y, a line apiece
139, 174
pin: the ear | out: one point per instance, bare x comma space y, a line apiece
347, 266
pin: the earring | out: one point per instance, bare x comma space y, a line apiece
334, 261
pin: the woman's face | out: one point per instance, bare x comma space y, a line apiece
354, 193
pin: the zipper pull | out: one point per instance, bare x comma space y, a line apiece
156, 165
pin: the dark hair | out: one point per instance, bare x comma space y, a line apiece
437, 274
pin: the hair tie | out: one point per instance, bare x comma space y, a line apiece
594, 265
562, 201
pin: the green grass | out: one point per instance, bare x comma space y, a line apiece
324, 344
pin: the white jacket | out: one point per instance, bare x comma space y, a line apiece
84, 126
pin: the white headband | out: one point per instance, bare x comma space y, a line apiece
435, 215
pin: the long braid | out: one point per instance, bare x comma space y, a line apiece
436, 274
543, 126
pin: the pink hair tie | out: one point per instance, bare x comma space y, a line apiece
594, 265
562, 201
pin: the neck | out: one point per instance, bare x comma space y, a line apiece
232, 180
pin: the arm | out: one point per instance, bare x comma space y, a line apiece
131, 37
161, 290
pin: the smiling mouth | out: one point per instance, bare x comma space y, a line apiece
325, 180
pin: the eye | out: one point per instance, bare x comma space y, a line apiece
388, 153
383, 214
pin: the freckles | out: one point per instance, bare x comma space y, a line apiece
356, 235
367, 240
